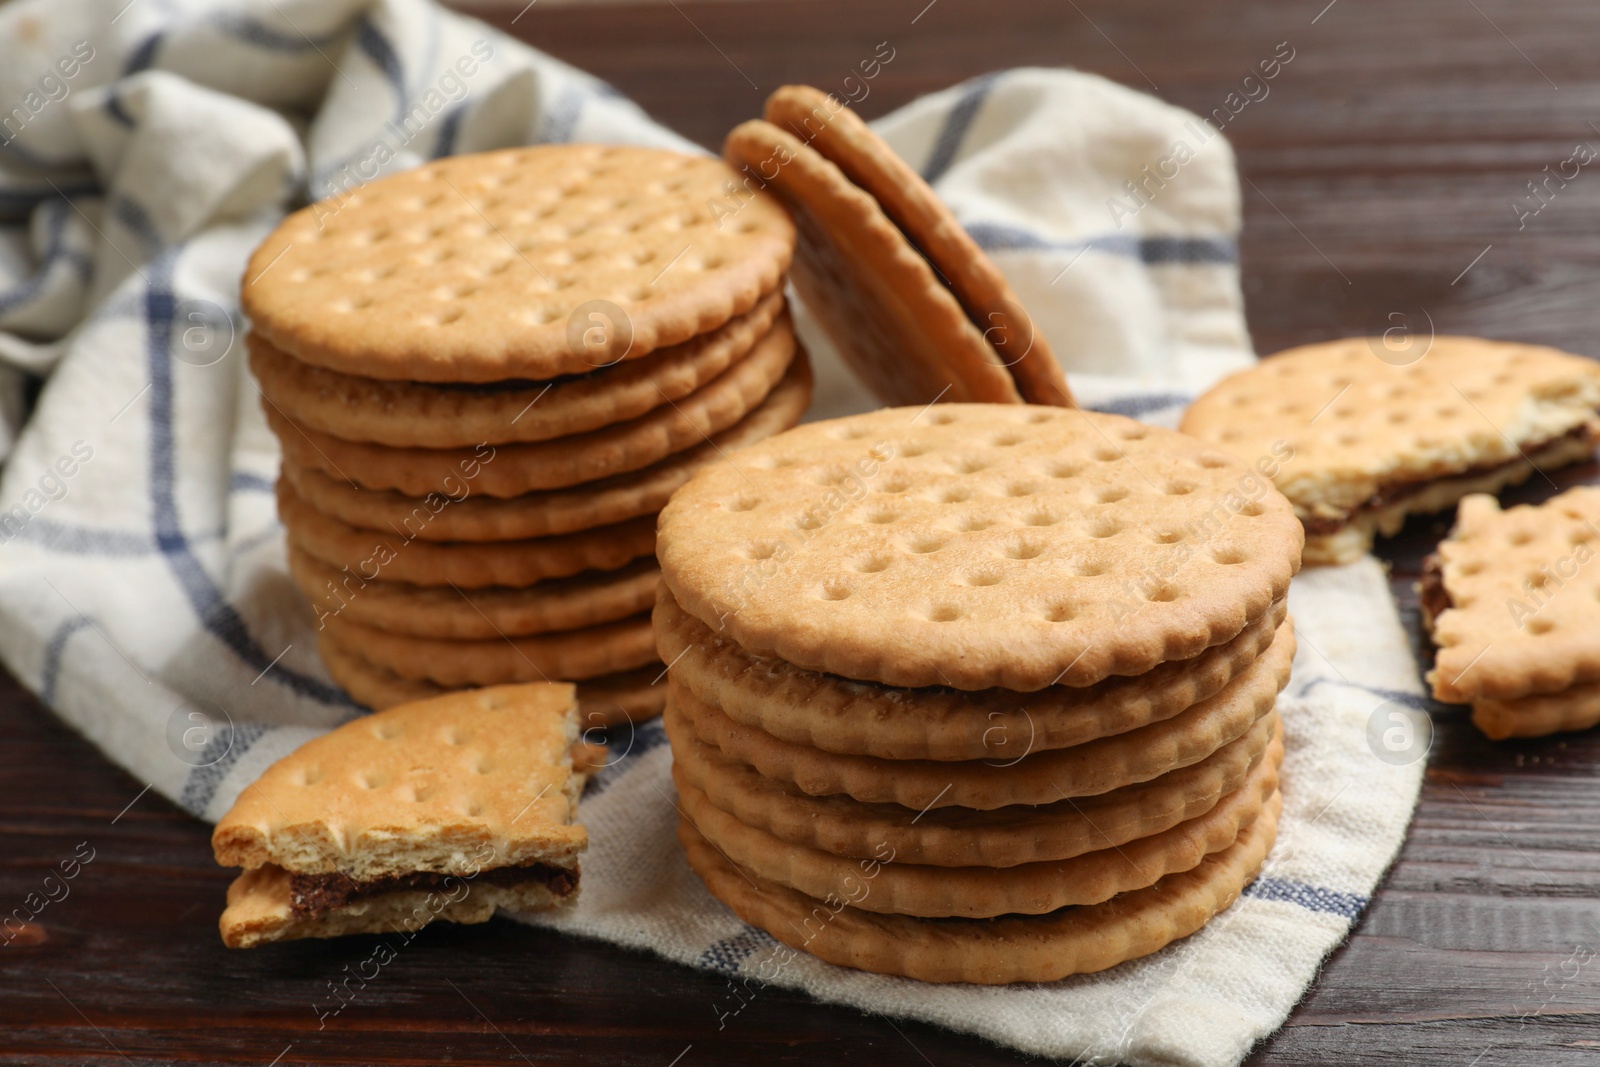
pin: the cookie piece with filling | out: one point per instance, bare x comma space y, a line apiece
447, 808
1357, 443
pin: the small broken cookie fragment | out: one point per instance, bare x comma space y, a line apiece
1358, 443
1512, 599
442, 809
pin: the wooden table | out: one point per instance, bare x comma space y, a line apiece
1379, 179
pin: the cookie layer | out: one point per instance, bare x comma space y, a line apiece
1574, 708
609, 700
838, 134
523, 263
975, 546
260, 909
567, 655
470, 565
441, 517
886, 311
586, 599
1040, 778
1041, 948
858, 718
902, 888
438, 786
510, 470
425, 415
965, 837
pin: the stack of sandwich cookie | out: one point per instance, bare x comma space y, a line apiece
1360, 437
487, 375
912, 304
445, 809
979, 693
1512, 599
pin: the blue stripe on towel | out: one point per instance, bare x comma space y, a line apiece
1310, 897
562, 118
248, 30
1410, 700
50, 672
1134, 406
215, 613
383, 56
245, 482
1000, 237
956, 124
730, 953
201, 785
55, 248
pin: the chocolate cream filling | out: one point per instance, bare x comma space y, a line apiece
314, 895
1324, 525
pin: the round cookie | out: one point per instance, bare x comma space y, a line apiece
374, 554
609, 700
1358, 437
858, 718
427, 415
839, 135
901, 888
586, 599
978, 546
1024, 948
966, 837
570, 655
439, 517
522, 263
510, 470
1041, 778
891, 318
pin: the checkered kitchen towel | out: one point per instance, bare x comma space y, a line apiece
146, 147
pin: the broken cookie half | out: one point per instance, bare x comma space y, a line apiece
1359, 436
448, 808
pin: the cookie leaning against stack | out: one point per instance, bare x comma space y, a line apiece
487, 376
911, 302
978, 693
1512, 599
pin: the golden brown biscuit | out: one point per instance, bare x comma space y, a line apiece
469, 517
968, 837
514, 469
859, 718
1512, 599
891, 318
608, 700
1039, 778
585, 599
446, 415
1025, 948
568, 654
982, 892
468, 795
838, 134
974, 546
392, 556
523, 263
1358, 443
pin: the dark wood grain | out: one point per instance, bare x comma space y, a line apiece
1384, 160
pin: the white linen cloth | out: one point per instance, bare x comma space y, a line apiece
143, 595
